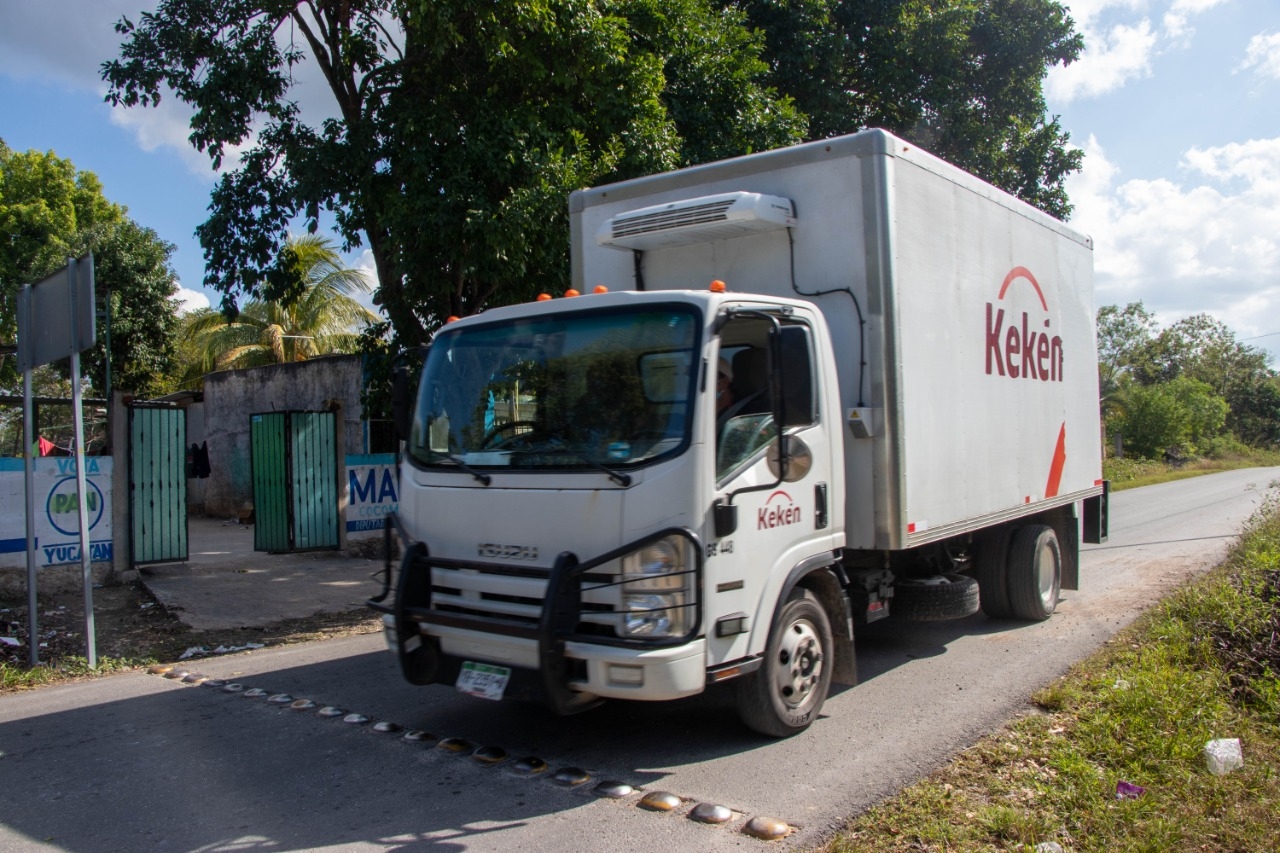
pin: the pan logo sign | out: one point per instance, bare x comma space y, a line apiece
780, 514
1022, 347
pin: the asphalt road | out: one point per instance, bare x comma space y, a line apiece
141, 762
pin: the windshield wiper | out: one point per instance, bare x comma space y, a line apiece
622, 479
484, 479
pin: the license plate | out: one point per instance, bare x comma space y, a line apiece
483, 680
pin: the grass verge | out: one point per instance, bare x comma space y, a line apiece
1201, 665
1132, 473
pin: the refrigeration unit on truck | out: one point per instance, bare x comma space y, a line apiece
802, 391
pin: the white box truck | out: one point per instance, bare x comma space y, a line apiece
800, 391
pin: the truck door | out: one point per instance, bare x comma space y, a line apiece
782, 516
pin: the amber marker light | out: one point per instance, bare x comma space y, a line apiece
717, 286
571, 292
600, 288
453, 318
544, 297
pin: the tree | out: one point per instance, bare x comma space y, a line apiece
317, 314
50, 211
460, 128
962, 79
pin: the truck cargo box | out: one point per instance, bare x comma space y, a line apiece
963, 318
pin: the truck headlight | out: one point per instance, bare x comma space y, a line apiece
658, 595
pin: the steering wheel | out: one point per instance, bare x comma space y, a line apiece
491, 438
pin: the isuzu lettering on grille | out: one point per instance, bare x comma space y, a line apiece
507, 552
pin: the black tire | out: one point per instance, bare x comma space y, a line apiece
1034, 572
990, 559
785, 694
935, 599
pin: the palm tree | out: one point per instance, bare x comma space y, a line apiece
322, 317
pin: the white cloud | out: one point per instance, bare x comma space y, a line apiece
1210, 242
1263, 55
1121, 43
190, 300
1109, 61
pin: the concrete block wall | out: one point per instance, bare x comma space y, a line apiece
231, 397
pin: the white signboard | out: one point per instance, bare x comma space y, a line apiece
57, 511
371, 493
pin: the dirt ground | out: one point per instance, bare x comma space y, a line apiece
130, 624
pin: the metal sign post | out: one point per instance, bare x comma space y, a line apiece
56, 320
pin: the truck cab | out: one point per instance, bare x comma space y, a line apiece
585, 516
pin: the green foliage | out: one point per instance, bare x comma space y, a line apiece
49, 212
316, 314
962, 79
460, 128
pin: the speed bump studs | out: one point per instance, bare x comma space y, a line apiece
766, 829
457, 745
194, 678
160, 668
530, 765
711, 813
233, 687
177, 674
419, 736
489, 755
614, 790
330, 711
254, 693
302, 705
659, 801
355, 719
571, 777
385, 727
215, 683
280, 699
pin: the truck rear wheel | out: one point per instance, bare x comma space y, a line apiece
786, 693
1034, 572
990, 561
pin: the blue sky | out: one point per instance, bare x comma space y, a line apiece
1175, 102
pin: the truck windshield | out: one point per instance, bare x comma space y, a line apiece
579, 390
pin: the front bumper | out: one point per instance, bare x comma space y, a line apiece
557, 652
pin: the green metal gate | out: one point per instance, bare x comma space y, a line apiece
157, 484
295, 480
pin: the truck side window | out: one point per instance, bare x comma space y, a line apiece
798, 407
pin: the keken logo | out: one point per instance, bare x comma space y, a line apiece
1021, 351
778, 514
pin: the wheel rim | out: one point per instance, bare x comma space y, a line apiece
798, 665
1047, 575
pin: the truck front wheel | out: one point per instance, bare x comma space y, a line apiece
1034, 572
786, 693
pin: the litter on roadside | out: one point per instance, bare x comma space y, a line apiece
1128, 790
1223, 755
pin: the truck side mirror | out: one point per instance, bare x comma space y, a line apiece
401, 409
797, 377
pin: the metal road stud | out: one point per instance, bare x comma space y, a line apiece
711, 813
159, 668
419, 736
214, 683
254, 693
614, 790
355, 719
302, 705
659, 801
233, 687
766, 829
280, 699
489, 755
571, 777
194, 678
457, 745
330, 711
530, 765
177, 673
386, 727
